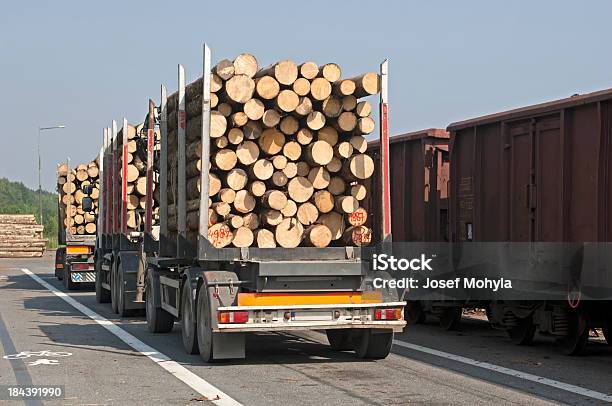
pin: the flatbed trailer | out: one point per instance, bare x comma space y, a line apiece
74, 257
120, 252
221, 294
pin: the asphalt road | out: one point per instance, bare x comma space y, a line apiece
101, 359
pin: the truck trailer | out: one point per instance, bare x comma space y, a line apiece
220, 294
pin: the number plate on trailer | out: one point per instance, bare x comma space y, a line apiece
312, 315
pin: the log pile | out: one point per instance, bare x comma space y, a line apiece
136, 170
70, 185
20, 236
288, 157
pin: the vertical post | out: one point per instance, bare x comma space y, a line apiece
150, 142
182, 202
69, 205
101, 202
107, 182
163, 173
205, 141
113, 180
384, 153
39, 181
124, 166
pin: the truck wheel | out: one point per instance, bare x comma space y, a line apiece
113, 282
204, 326
102, 295
450, 318
188, 325
121, 309
413, 313
68, 284
574, 343
523, 332
339, 339
158, 320
373, 344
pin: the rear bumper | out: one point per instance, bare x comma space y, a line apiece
312, 317
82, 277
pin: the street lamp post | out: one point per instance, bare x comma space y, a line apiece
39, 168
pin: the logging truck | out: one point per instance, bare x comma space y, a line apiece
126, 232
74, 257
260, 226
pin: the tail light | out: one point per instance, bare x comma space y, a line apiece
388, 314
80, 266
233, 317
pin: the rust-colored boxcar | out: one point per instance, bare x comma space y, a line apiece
419, 185
538, 174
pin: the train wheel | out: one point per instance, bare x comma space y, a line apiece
523, 332
450, 318
413, 313
576, 339
204, 326
374, 344
339, 339
188, 325
158, 320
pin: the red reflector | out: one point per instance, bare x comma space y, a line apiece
233, 317
80, 266
388, 314
241, 317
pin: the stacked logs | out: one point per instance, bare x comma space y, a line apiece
70, 185
136, 170
20, 236
287, 156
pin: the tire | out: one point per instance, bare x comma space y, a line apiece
523, 333
68, 284
102, 295
188, 324
121, 309
204, 326
607, 332
339, 339
113, 278
574, 343
413, 313
374, 345
450, 318
158, 320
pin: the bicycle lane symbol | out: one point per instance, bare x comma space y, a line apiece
41, 361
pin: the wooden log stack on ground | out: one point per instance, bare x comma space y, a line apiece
20, 236
70, 194
288, 156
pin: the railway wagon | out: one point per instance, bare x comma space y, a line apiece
419, 170
419, 167
541, 176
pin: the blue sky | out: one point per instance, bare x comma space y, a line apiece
84, 63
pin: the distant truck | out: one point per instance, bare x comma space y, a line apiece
74, 257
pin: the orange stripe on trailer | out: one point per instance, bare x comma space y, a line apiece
293, 299
77, 249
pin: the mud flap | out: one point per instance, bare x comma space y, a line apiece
225, 345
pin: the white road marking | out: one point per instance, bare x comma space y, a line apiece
44, 361
194, 381
508, 371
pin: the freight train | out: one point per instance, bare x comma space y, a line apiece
537, 180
